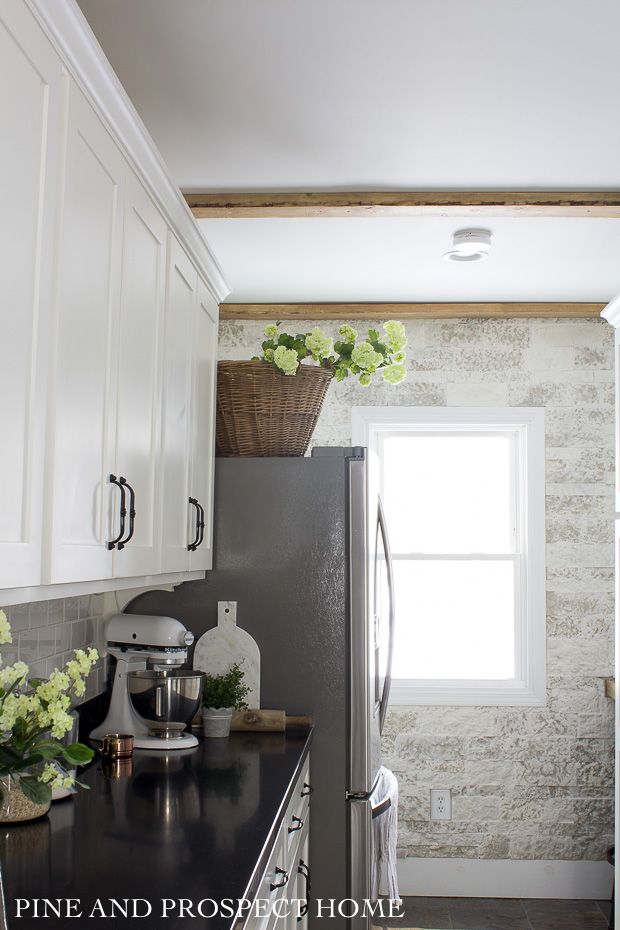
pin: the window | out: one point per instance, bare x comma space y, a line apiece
463, 493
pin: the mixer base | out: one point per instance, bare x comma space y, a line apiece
184, 741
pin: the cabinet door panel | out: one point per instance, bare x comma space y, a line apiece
32, 91
203, 418
88, 284
139, 382
177, 428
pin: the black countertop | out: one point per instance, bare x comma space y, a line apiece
196, 824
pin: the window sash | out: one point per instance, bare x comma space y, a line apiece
526, 424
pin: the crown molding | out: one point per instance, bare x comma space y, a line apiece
83, 57
611, 312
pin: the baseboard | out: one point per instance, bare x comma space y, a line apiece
505, 878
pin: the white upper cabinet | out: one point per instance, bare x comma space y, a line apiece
204, 364
181, 297
31, 102
138, 395
109, 331
83, 393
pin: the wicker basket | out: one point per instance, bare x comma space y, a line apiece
262, 412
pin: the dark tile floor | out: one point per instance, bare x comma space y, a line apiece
502, 914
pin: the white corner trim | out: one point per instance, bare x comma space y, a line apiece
68, 29
505, 878
611, 312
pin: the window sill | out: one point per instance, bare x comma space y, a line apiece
404, 693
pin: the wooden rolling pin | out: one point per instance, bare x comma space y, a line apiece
267, 721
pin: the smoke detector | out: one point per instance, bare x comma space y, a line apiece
469, 245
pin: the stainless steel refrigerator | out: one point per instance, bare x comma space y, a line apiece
301, 544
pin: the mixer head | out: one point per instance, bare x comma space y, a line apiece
158, 640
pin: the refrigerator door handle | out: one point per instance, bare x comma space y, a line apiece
381, 807
391, 617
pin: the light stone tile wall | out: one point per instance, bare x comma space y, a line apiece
45, 633
527, 783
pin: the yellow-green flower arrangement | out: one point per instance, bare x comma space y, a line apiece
348, 355
34, 717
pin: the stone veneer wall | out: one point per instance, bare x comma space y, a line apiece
527, 783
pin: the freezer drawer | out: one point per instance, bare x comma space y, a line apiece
363, 857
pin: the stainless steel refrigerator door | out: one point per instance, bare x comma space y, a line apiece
363, 764
371, 623
385, 614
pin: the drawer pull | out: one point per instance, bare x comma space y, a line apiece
299, 825
120, 483
304, 870
194, 544
306, 790
132, 513
282, 883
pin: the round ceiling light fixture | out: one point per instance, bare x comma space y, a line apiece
469, 245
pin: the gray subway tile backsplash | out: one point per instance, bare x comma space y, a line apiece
45, 633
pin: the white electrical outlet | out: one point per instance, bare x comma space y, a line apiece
441, 804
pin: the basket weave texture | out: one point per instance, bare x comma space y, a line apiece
263, 412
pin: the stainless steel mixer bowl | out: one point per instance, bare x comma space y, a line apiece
172, 695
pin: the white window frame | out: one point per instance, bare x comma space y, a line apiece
527, 425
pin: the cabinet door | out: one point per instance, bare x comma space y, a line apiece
181, 297
138, 404
32, 91
204, 344
87, 316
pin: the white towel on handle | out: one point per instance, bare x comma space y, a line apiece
384, 836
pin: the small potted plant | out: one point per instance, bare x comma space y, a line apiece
221, 695
34, 718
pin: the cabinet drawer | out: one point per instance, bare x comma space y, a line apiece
273, 883
297, 811
280, 879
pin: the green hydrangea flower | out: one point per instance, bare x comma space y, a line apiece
365, 379
348, 333
398, 357
394, 374
318, 344
286, 359
395, 333
5, 629
269, 355
364, 356
271, 331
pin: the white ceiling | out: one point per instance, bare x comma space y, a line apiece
401, 94
390, 258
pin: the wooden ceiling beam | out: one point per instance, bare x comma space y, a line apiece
457, 204
406, 311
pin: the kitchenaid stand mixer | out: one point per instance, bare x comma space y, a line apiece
137, 643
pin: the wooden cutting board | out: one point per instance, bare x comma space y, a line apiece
225, 644
266, 721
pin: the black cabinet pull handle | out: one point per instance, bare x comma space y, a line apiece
306, 790
194, 545
201, 525
120, 483
299, 825
132, 513
284, 874
304, 869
